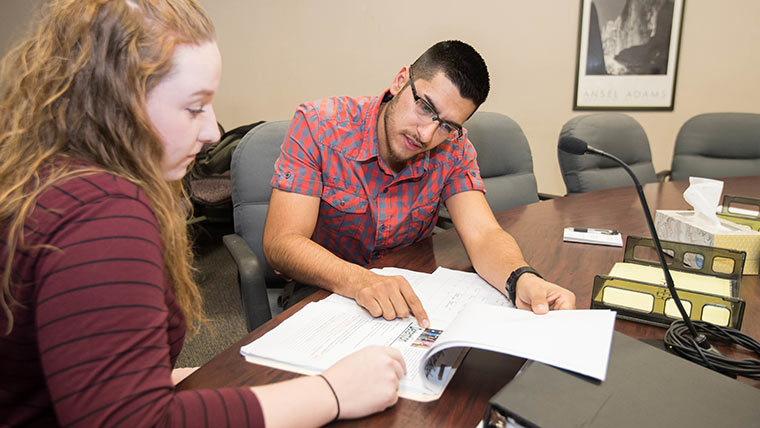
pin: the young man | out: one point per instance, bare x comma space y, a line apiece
361, 177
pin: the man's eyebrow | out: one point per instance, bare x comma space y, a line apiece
435, 109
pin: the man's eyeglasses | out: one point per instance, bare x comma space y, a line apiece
424, 110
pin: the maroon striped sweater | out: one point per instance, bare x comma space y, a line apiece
99, 331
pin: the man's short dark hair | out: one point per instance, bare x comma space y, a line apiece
461, 63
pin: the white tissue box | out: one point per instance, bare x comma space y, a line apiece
681, 226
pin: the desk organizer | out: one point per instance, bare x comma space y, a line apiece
652, 303
751, 220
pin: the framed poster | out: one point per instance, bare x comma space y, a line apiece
628, 54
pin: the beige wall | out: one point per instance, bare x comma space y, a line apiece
278, 53
15, 17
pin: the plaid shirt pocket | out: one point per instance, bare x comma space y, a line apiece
420, 224
344, 220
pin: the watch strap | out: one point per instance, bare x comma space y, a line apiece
511, 287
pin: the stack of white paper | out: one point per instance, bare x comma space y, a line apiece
464, 312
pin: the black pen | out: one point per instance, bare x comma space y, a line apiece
592, 230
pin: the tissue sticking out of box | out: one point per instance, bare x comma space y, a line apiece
697, 227
703, 195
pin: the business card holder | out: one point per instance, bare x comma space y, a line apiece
695, 267
745, 217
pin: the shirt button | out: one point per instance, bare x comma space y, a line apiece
342, 202
287, 175
382, 227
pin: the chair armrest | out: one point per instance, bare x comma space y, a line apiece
444, 223
546, 196
251, 283
663, 176
444, 218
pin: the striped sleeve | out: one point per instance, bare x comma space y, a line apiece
104, 312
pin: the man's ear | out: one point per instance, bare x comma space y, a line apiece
399, 81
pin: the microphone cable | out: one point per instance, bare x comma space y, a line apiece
678, 339
685, 337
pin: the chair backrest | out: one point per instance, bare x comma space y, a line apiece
251, 171
615, 133
717, 145
504, 158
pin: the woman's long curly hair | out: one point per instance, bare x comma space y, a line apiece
75, 89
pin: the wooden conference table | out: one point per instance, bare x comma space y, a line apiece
538, 229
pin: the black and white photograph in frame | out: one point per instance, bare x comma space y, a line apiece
628, 54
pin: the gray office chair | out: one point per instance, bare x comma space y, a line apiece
717, 145
615, 133
251, 171
505, 162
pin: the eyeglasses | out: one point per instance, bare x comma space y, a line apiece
425, 110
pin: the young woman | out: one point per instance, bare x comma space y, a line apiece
101, 111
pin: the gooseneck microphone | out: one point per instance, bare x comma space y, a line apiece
576, 146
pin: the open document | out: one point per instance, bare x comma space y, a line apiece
323, 332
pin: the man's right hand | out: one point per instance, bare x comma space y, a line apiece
289, 248
391, 297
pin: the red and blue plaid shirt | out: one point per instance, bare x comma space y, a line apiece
331, 151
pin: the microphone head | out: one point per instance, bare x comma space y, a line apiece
573, 145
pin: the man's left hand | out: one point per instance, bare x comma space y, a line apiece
541, 296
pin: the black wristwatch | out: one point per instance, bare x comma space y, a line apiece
512, 281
